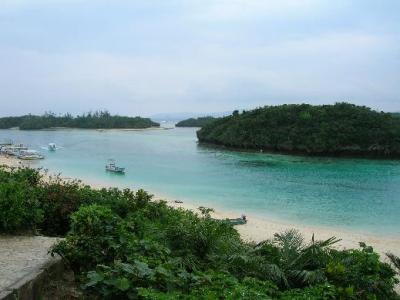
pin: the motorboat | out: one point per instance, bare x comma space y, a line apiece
52, 147
29, 155
111, 167
13, 150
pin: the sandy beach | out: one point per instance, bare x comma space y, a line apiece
258, 229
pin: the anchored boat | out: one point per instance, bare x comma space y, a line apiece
52, 147
29, 155
111, 167
13, 150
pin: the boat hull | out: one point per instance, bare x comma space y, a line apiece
30, 157
116, 170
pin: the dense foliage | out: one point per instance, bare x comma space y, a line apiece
123, 245
91, 120
396, 114
195, 122
320, 130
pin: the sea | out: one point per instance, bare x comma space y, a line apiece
356, 194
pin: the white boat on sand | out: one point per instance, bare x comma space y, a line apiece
29, 155
13, 150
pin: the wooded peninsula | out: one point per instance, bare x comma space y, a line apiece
339, 129
195, 122
96, 120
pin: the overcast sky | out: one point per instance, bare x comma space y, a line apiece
157, 56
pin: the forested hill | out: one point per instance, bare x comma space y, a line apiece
91, 120
340, 129
195, 122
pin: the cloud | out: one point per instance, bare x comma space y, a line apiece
135, 57
320, 69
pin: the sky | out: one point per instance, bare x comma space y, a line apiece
157, 56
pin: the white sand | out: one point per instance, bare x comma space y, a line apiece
258, 229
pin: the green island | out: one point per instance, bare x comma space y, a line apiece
96, 120
121, 244
339, 129
195, 122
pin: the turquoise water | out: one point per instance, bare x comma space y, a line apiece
357, 194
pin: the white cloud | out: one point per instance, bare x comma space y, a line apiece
137, 66
326, 68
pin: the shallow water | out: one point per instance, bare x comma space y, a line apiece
356, 194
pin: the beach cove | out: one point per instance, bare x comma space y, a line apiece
257, 228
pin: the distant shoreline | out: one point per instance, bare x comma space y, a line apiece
300, 153
92, 129
259, 228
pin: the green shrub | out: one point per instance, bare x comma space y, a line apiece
360, 274
122, 202
19, 207
29, 176
59, 199
318, 292
169, 281
201, 239
226, 286
93, 238
287, 260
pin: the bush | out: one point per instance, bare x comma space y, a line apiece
360, 274
19, 207
93, 238
318, 292
59, 199
201, 239
169, 281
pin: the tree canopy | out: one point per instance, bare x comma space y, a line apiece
195, 122
99, 119
339, 129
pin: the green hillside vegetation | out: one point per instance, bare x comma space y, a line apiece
122, 245
195, 122
96, 120
340, 129
397, 114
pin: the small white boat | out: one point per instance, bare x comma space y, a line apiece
13, 150
111, 167
52, 147
29, 155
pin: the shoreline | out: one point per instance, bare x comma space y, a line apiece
94, 129
259, 228
299, 153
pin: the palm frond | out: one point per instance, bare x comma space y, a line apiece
395, 260
308, 277
274, 273
290, 239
